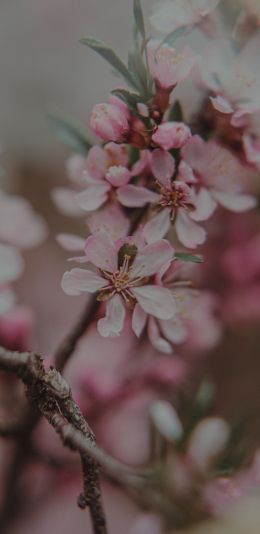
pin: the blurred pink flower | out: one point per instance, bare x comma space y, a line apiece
11, 264
19, 224
93, 178
233, 76
16, 328
218, 174
172, 14
169, 67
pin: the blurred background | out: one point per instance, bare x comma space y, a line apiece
43, 68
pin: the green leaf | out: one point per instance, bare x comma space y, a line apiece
137, 70
134, 154
110, 56
131, 99
186, 256
176, 113
139, 18
69, 133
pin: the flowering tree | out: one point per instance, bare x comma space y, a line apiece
145, 190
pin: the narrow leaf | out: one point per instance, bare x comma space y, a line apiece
110, 56
131, 99
69, 133
186, 256
137, 70
139, 18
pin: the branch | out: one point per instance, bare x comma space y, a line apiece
51, 394
49, 391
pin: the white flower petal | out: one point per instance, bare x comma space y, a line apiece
235, 202
189, 233
112, 324
79, 281
155, 300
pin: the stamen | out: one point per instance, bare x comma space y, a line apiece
120, 281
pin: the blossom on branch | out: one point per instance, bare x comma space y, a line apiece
124, 279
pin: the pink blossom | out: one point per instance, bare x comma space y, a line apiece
93, 179
110, 122
171, 135
218, 173
173, 14
167, 66
100, 159
164, 334
193, 309
124, 279
97, 192
176, 201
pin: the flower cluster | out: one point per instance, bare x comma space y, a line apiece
147, 188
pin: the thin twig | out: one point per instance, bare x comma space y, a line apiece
67, 347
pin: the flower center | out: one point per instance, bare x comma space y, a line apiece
121, 282
172, 198
169, 56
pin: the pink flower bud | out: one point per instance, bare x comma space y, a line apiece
171, 135
110, 122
